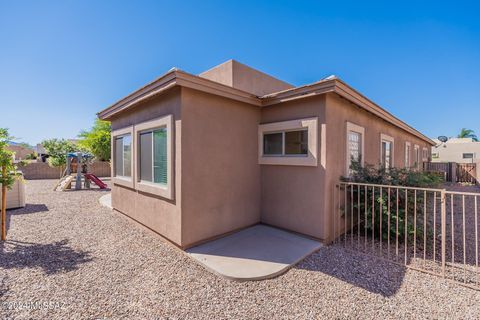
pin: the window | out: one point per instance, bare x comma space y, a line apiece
286, 143
435, 155
386, 151
355, 144
154, 157
425, 154
467, 156
416, 149
289, 142
408, 150
123, 156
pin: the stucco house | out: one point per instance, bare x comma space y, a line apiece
459, 150
196, 157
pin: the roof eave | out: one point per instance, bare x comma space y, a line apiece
171, 79
344, 90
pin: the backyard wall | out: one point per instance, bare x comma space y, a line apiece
41, 170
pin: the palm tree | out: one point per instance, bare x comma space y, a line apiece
467, 133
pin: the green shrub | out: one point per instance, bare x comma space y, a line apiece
401, 206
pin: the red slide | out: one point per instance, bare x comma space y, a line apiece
96, 180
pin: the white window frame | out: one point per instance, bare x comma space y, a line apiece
352, 127
387, 138
162, 190
408, 154
121, 180
311, 159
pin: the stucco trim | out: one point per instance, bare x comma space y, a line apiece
150, 187
123, 181
359, 129
310, 160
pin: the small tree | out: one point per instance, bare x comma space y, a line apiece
7, 177
57, 150
97, 140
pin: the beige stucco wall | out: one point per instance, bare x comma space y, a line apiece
237, 75
220, 186
293, 196
221, 174
338, 112
453, 150
158, 214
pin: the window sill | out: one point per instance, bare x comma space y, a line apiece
309, 161
123, 181
155, 189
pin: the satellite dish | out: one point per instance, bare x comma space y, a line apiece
443, 139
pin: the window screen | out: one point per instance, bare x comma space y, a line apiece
119, 156
296, 142
123, 156
146, 173
354, 145
387, 154
160, 161
127, 156
272, 143
407, 156
153, 156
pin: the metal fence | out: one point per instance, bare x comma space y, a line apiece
430, 230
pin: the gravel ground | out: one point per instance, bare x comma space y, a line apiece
76, 259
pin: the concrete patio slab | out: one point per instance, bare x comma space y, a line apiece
106, 200
259, 252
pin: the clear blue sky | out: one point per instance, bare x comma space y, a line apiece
63, 61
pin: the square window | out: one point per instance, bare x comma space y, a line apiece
292, 142
154, 155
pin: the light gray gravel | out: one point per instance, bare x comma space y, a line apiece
89, 262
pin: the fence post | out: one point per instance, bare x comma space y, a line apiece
444, 229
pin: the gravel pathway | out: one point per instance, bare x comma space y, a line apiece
69, 258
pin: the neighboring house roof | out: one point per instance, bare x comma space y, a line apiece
175, 77
457, 140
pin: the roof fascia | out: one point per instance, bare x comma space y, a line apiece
177, 78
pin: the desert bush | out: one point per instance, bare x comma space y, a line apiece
392, 208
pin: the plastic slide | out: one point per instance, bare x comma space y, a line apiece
96, 180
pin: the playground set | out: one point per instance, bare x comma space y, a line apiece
77, 170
